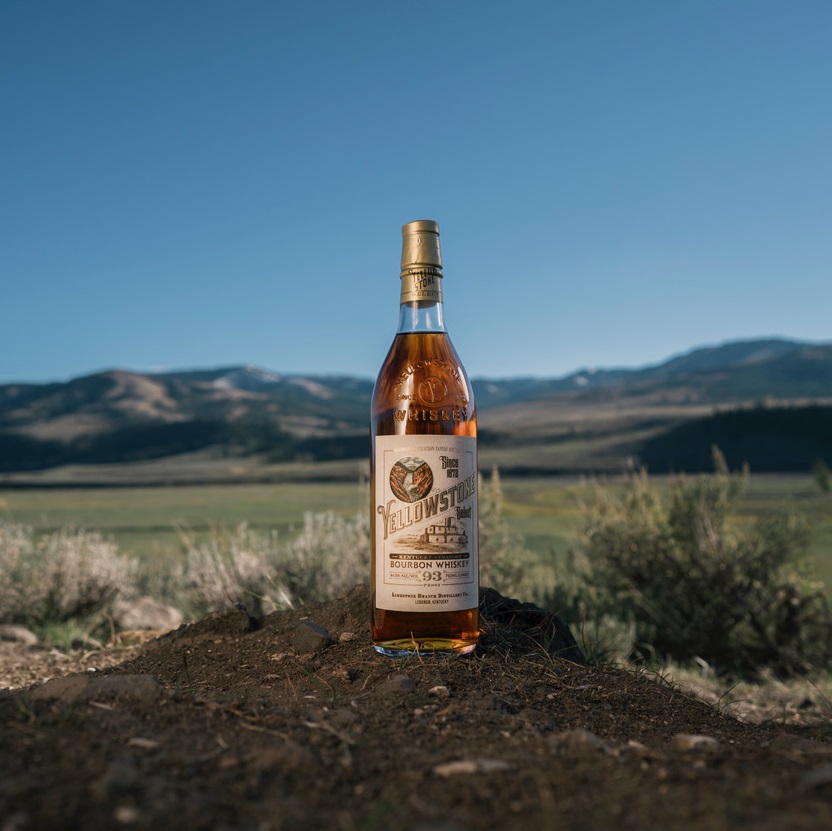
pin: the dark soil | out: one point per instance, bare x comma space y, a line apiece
229, 724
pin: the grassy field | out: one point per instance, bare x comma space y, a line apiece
547, 512
801, 495
148, 521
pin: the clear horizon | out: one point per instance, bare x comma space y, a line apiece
196, 185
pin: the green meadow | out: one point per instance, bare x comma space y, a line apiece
150, 522
549, 516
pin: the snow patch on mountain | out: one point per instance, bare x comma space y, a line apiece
312, 387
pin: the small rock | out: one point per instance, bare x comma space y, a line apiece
67, 688
87, 644
641, 751
396, 684
440, 691
126, 814
143, 744
309, 637
346, 636
341, 674
687, 742
464, 766
80, 687
141, 689
146, 613
13, 633
578, 741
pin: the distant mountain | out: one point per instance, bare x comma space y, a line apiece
733, 371
106, 401
119, 416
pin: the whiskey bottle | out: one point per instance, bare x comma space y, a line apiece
423, 473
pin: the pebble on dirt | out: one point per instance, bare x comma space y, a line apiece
146, 613
397, 683
687, 742
310, 638
14, 633
81, 687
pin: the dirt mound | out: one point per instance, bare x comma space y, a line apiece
294, 722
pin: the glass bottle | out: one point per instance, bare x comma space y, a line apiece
423, 473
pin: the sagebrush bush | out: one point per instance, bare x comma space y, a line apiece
667, 561
67, 575
231, 567
660, 572
505, 563
330, 555
604, 634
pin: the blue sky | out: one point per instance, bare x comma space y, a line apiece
189, 183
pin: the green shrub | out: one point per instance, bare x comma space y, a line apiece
667, 561
604, 634
505, 563
820, 472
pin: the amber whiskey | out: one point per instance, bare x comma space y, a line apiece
423, 470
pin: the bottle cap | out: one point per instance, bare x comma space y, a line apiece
420, 244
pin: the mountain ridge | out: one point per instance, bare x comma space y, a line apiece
118, 415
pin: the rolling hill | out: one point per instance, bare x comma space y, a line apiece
587, 421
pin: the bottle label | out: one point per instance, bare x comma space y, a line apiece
426, 523
421, 283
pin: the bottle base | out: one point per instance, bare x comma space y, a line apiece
424, 647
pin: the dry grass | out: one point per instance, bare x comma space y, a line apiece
796, 702
68, 574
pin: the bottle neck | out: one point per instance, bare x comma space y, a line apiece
421, 278
421, 316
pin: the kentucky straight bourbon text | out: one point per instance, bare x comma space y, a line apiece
423, 473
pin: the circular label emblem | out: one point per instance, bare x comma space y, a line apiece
433, 390
411, 479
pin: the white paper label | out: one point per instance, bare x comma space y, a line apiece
426, 523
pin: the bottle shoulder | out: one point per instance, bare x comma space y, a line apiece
422, 381
410, 346
422, 355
